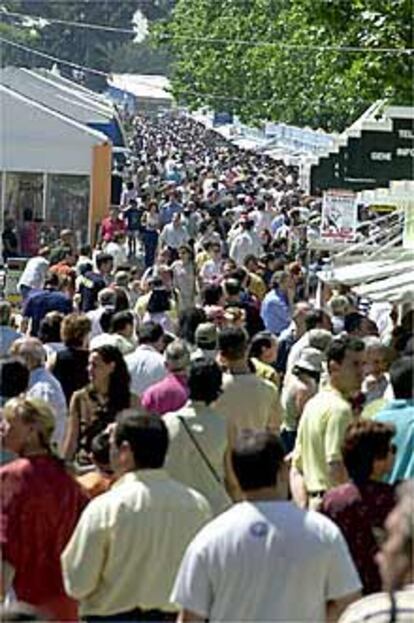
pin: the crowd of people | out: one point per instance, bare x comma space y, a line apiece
187, 432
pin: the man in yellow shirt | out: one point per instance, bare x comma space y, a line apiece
317, 460
123, 556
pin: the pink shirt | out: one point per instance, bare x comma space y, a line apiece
170, 394
110, 228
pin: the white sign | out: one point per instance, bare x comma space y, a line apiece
339, 215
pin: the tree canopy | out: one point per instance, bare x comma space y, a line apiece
101, 50
280, 60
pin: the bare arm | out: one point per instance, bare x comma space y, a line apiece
298, 487
186, 616
70, 441
337, 473
335, 608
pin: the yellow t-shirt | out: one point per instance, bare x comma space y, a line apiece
257, 286
320, 435
266, 372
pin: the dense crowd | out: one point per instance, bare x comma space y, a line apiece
187, 429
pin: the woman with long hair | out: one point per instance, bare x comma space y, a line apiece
184, 277
96, 405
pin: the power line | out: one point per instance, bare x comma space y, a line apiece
184, 91
224, 41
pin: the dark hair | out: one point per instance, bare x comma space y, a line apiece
121, 299
232, 342
339, 347
205, 381
257, 457
52, 280
106, 320
261, 340
352, 322
401, 375
147, 436
365, 441
314, 318
150, 332
159, 301
49, 329
232, 287
121, 320
14, 377
118, 395
212, 294
102, 258
100, 448
188, 322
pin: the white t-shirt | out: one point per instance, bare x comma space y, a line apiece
34, 273
265, 561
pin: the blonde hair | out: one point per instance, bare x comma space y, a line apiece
33, 411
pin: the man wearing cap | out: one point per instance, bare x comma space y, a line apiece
206, 341
298, 388
172, 392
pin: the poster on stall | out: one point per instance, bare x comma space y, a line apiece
339, 215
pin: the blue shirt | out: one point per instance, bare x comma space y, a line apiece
401, 414
168, 210
7, 337
40, 303
275, 311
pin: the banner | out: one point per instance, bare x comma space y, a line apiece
339, 215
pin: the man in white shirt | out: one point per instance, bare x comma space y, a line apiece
245, 243
106, 302
33, 276
123, 556
42, 383
265, 559
147, 365
174, 234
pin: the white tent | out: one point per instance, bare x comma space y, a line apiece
143, 86
57, 97
34, 138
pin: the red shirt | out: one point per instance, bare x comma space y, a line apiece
40, 506
111, 227
358, 510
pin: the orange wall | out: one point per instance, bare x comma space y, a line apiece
100, 194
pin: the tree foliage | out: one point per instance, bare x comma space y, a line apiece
274, 76
102, 50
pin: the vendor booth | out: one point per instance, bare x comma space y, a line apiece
55, 172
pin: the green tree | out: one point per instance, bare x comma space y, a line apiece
248, 56
102, 50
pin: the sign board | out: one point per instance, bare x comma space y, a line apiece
222, 118
15, 268
339, 216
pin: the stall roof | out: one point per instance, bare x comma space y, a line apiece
59, 98
65, 100
143, 86
73, 86
355, 274
32, 135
